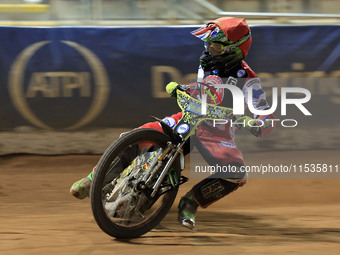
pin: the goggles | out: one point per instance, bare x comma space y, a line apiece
215, 48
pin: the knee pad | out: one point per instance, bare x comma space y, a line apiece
210, 190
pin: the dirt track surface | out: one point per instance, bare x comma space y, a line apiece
267, 216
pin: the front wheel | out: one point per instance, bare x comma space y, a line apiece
120, 201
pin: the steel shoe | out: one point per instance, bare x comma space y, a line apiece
81, 189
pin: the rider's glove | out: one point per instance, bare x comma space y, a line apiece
171, 88
249, 124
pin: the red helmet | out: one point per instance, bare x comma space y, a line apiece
227, 41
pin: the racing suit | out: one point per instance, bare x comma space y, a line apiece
216, 144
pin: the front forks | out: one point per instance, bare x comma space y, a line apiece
171, 152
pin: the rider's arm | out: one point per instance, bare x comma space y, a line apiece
266, 122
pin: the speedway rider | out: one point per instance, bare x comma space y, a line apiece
227, 41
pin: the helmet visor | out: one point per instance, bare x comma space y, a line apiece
215, 48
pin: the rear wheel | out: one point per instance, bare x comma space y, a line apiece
120, 197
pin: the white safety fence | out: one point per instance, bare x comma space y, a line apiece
164, 12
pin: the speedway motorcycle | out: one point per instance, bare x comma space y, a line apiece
138, 176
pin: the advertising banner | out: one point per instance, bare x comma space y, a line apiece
75, 78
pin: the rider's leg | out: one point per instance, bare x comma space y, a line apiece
81, 189
204, 194
215, 149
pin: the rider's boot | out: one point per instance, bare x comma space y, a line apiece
187, 209
81, 189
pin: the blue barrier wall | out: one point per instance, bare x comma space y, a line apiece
89, 77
